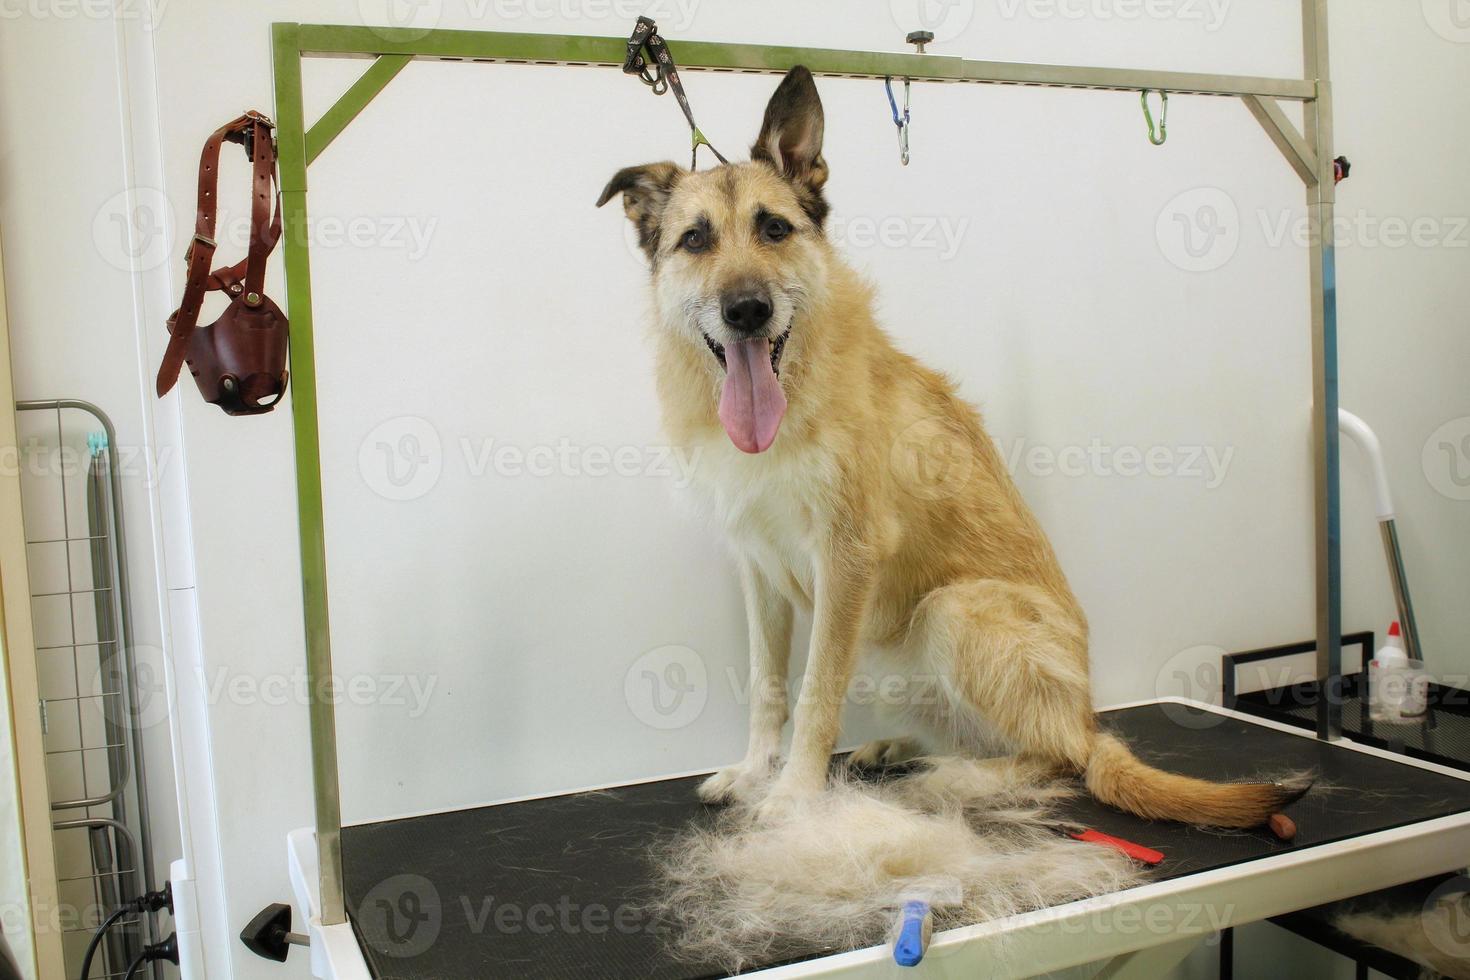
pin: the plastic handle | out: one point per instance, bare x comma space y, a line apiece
1357, 430
913, 934
1137, 852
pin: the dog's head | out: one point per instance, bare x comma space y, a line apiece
738, 255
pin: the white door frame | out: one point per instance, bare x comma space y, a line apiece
18, 658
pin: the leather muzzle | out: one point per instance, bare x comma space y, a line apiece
239, 361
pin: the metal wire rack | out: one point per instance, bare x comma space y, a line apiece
77, 555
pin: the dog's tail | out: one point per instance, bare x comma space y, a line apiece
1119, 778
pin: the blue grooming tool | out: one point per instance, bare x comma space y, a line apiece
96, 443
914, 930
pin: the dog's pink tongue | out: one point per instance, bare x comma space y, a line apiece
753, 404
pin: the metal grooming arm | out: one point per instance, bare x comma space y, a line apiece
1357, 430
1308, 152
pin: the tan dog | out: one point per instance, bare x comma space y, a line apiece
883, 507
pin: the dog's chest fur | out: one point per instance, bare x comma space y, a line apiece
773, 507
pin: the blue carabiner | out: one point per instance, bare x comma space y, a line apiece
902, 122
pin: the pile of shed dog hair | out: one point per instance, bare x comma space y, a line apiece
972, 838
1432, 935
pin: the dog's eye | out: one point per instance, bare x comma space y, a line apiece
694, 240
773, 229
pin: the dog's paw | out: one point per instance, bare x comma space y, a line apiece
884, 752
782, 804
740, 783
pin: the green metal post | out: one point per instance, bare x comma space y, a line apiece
291, 139
382, 71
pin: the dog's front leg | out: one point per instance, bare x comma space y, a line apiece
768, 618
844, 583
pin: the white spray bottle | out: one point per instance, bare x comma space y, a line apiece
1398, 688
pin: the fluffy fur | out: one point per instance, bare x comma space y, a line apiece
882, 507
1434, 937
831, 873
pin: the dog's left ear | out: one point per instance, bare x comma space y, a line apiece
791, 134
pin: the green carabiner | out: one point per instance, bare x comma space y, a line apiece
696, 140
1163, 133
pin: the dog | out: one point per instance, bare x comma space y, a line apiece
854, 483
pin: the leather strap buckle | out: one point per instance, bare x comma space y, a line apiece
247, 131
199, 239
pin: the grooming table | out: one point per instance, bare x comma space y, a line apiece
552, 887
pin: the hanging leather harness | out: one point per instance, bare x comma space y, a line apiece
239, 361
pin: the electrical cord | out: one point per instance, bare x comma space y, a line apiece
92, 946
148, 902
136, 965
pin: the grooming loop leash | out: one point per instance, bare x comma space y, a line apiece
1157, 139
663, 76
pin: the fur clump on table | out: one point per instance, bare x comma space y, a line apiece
973, 838
1432, 936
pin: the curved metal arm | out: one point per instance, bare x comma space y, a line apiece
1358, 431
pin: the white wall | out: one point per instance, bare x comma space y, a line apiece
1405, 346
76, 289
527, 602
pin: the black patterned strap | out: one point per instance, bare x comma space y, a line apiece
664, 76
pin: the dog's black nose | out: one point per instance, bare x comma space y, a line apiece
746, 312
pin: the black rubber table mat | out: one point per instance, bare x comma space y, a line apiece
554, 887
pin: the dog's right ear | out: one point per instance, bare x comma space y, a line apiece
645, 191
